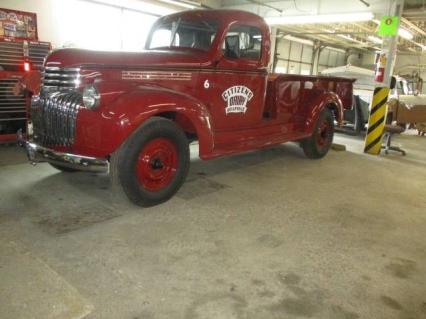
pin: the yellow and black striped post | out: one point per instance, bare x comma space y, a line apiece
376, 121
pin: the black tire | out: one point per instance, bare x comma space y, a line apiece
126, 163
317, 145
64, 168
359, 122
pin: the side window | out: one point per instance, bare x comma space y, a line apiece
243, 42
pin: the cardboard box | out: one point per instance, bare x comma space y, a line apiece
408, 109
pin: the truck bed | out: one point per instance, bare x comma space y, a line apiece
308, 86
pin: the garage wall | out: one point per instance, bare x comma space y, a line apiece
367, 60
330, 58
293, 57
123, 25
297, 58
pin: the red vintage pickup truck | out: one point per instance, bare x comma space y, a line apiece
202, 76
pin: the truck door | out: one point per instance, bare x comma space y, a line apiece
235, 89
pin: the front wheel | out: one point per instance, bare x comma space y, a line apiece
317, 145
153, 163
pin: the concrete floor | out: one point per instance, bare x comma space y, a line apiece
263, 235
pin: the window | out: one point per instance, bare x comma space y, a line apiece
330, 58
135, 28
243, 42
182, 34
305, 69
293, 67
280, 69
293, 57
101, 25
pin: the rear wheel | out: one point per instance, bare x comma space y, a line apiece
153, 163
318, 144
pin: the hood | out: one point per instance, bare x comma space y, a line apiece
104, 59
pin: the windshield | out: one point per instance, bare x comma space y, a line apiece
182, 34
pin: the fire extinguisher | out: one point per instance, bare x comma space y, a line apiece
380, 67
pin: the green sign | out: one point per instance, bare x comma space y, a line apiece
388, 26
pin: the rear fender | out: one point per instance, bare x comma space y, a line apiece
103, 133
326, 100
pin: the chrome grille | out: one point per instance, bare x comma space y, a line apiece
60, 79
54, 117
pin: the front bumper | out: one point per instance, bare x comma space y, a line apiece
37, 154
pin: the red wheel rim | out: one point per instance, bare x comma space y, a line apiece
323, 134
157, 164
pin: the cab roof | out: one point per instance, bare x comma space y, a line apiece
224, 16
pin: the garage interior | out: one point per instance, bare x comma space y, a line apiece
262, 234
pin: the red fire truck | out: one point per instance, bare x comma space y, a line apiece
133, 114
20, 54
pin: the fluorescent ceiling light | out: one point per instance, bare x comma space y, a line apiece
184, 4
320, 18
374, 39
142, 6
405, 34
295, 39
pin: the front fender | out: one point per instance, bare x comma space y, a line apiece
100, 132
327, 99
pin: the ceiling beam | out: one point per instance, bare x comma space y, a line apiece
413, 26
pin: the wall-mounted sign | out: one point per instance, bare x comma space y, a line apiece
388, 26
18, 24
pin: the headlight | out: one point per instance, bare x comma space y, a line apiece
91, 97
